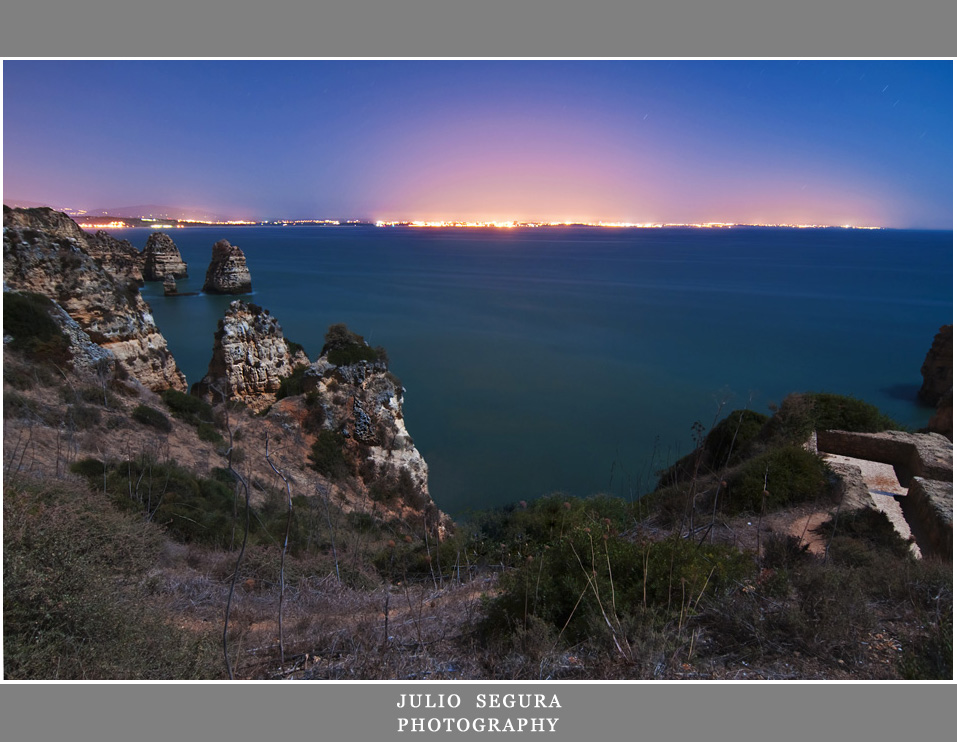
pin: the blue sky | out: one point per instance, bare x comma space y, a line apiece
833, 142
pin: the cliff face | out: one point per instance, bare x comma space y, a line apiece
250, 358
362, 403
118, 257
349, 406
42, 253
938, 368
161, 258
227, 272
937, 389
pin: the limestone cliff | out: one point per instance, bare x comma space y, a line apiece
118, 257
161, 258
937, 389
227, 272
250, 358
42, 253
361, 406
938, 368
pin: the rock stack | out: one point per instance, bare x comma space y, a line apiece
250, 358
227, 272
938, 386
161, 258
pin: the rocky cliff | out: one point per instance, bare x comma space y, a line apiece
44, 254
938, 368
250, 358
346, 406
227, 272
118, 257
161, 258
938, 373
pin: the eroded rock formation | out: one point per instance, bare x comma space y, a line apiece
227, 272
42, 253
250, 358
161, 258
938, 368
937, 389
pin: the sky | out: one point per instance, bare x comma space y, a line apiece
866, 143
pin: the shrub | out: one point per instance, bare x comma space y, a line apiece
344, 347
76, 595
207, 432
314, 419
793, 475
801, 414
292, 385
391, 485
26, 317
327, 457
294, 347
186, 407
83, 417
730, 439
586, 581
152, 417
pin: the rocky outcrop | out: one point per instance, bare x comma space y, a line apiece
943, 419
118, 257
927, 455
227, 272
161, 258
43, 254
250, 358
929, 504
169, 286
362, 402
938, 368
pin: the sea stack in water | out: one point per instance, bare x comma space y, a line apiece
161, 258
227, 272
250, 358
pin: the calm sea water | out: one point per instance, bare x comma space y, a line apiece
577, 360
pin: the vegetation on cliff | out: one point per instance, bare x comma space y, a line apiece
150, 533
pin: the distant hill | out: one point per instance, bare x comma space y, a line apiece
157, 211
149, 211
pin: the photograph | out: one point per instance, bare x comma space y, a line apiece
428, 370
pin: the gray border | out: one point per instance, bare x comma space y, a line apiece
610, 712
562, 28
551, 28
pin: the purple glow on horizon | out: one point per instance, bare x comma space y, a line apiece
864, 143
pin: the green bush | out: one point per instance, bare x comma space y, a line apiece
76, 596
191, 410
344, 348
294, 347
801, 414
729, 440
327, 456
593, 578
152, 417
191, 508
207, 432
292, 385
82, 417
26, 317
793, 474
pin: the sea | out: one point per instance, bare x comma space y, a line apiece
579, 360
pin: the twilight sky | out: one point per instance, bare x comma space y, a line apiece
842, 142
